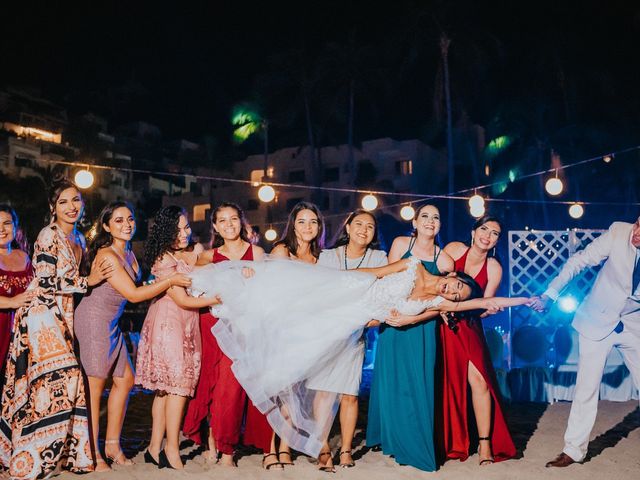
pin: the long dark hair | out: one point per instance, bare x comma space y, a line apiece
58, 186
289, 239
414, 233
468, 280
246, 232
102, 238
163, 233
480, 222
343, 236
19, 238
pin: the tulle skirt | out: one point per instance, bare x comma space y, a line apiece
288, 323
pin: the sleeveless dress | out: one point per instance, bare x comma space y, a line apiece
466, 345
287, 323
219, 396
12, 283
101, 342
44, 424
346, 374
169, 350
401, 402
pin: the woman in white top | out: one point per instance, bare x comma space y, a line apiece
354, 248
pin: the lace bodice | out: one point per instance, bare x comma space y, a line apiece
392, 292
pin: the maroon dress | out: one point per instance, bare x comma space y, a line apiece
220, 397
466, 345
11, 284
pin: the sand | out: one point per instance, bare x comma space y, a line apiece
614, 452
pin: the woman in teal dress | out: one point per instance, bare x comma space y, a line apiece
401, 403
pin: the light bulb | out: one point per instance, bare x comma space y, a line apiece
266, 193
576, 210
83, 179
554, 186
369, 202
407, 212
270, 235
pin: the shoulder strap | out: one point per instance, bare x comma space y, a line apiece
412, 242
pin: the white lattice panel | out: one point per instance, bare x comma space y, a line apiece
535, 258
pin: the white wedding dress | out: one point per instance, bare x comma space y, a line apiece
287, 323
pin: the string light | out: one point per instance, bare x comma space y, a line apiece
270, 235
554, 185
607, 158
476, 205
407, 212
83, 179
576, 210
369, 202
266, 193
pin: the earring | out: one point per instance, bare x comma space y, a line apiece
472, 239
494, 251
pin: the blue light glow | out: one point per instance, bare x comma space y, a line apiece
568, 304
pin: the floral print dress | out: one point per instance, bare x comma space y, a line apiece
44, 424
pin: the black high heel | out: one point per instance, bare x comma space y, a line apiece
148, 458
164, 461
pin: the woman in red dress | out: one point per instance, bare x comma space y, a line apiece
15, 275
219, 397
466, 360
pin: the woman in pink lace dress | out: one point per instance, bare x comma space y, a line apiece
169, 352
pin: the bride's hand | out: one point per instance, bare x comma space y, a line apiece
396, 319
248, 272
215, 301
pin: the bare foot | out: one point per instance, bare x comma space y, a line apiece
210, 456
101, 465
227, 460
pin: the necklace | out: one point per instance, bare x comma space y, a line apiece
359, 263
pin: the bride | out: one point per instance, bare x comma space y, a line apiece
283, 322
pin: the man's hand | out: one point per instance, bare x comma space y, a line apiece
540, 304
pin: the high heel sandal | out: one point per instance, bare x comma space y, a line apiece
163, 461
325, 467
119, 458
148, 458
290, 462
275, 465
488, 460
348, 464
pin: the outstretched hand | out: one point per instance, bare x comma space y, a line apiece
539, 304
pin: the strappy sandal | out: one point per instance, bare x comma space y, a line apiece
485, 461
325, 467
275, 465
348, 464
119, 458
290, 462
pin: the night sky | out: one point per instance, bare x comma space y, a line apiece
183, 67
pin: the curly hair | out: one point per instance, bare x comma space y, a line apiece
289, 238
102, 238
343, 236
19, 238
59, 185
246, 232
163, 234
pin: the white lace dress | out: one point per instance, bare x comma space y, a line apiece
287, 323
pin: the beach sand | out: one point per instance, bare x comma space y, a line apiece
614, 452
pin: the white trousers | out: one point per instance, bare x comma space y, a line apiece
592, 358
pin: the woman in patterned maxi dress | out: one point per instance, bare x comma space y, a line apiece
44, 424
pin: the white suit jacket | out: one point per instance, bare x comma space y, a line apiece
610, 299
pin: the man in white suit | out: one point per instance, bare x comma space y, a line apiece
608, 317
